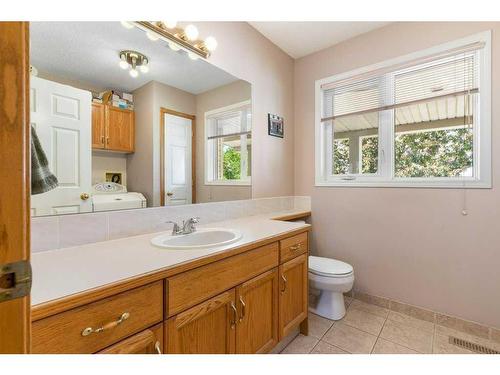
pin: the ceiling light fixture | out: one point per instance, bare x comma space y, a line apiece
179, 38
134, 60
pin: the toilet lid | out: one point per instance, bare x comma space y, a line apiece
328, 266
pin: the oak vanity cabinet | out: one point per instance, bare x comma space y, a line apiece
113, 128
205, 328
240, 303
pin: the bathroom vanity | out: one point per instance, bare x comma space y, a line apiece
243, 298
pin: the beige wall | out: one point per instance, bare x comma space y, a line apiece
105, 161
411, 245
223, 96
246, 54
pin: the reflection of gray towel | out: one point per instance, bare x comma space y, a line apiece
42, 180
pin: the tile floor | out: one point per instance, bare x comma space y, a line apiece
372, 329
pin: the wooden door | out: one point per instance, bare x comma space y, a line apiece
257, 300
120, 128
207, 328
15, 319
293, 294
61, 116
149, 341
98, 131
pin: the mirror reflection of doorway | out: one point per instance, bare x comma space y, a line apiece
177, 177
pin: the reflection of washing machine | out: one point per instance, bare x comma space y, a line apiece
109, 196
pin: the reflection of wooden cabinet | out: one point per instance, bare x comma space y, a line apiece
293, 294
206, 328
257, 299
112, 128
98, 132
149, 341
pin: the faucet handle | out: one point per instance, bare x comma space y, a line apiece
195, 220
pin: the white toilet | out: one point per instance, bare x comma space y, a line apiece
329, 279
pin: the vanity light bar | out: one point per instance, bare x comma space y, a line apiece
176, 36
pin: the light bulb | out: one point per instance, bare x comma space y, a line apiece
144, 68
133, 73
191, 32
152, 36
123, 64
170, 24
211, 43
127, 24
173, 46
193, 56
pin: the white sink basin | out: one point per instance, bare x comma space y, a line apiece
202, 238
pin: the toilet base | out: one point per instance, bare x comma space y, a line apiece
329, 305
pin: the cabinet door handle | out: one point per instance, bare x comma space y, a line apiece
243, 306
235, 315
89, 330
102, 140
284, 283
296, 247
157, 347
107, 140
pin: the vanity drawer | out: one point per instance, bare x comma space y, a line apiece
192, 287
293, 246
64, 332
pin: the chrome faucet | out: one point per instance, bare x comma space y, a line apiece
187, 226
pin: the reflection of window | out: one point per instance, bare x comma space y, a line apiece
423, 121
228, 144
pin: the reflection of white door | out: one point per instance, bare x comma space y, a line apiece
178, 184
61, 116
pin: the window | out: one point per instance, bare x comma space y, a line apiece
228, 145
422, 120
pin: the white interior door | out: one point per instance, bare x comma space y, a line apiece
178, 178
61, 116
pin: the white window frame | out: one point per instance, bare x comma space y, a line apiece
247, 180
385, 176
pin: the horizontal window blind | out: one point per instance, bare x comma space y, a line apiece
455, 74
229, 123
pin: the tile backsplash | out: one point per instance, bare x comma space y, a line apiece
53, 232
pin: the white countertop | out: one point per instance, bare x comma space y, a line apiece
62, 272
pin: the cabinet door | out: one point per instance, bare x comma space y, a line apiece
98, 133
257, 300
207, 328
293, 294
120, 128
149, 341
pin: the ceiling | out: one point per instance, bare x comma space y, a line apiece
88, 52
299, 39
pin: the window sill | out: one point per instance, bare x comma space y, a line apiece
228, 183
439, 184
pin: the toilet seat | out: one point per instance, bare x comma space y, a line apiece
328, 267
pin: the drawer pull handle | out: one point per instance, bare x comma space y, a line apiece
243, 306
284, 283
89, 330
157, 347
235, 312
296, 247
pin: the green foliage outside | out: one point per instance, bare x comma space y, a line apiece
231, 164
369, 158
341, 156
438, 153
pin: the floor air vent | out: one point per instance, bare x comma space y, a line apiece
472, 346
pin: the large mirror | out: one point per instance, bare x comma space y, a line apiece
105, 136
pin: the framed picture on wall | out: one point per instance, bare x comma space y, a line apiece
275, 125
115, 177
